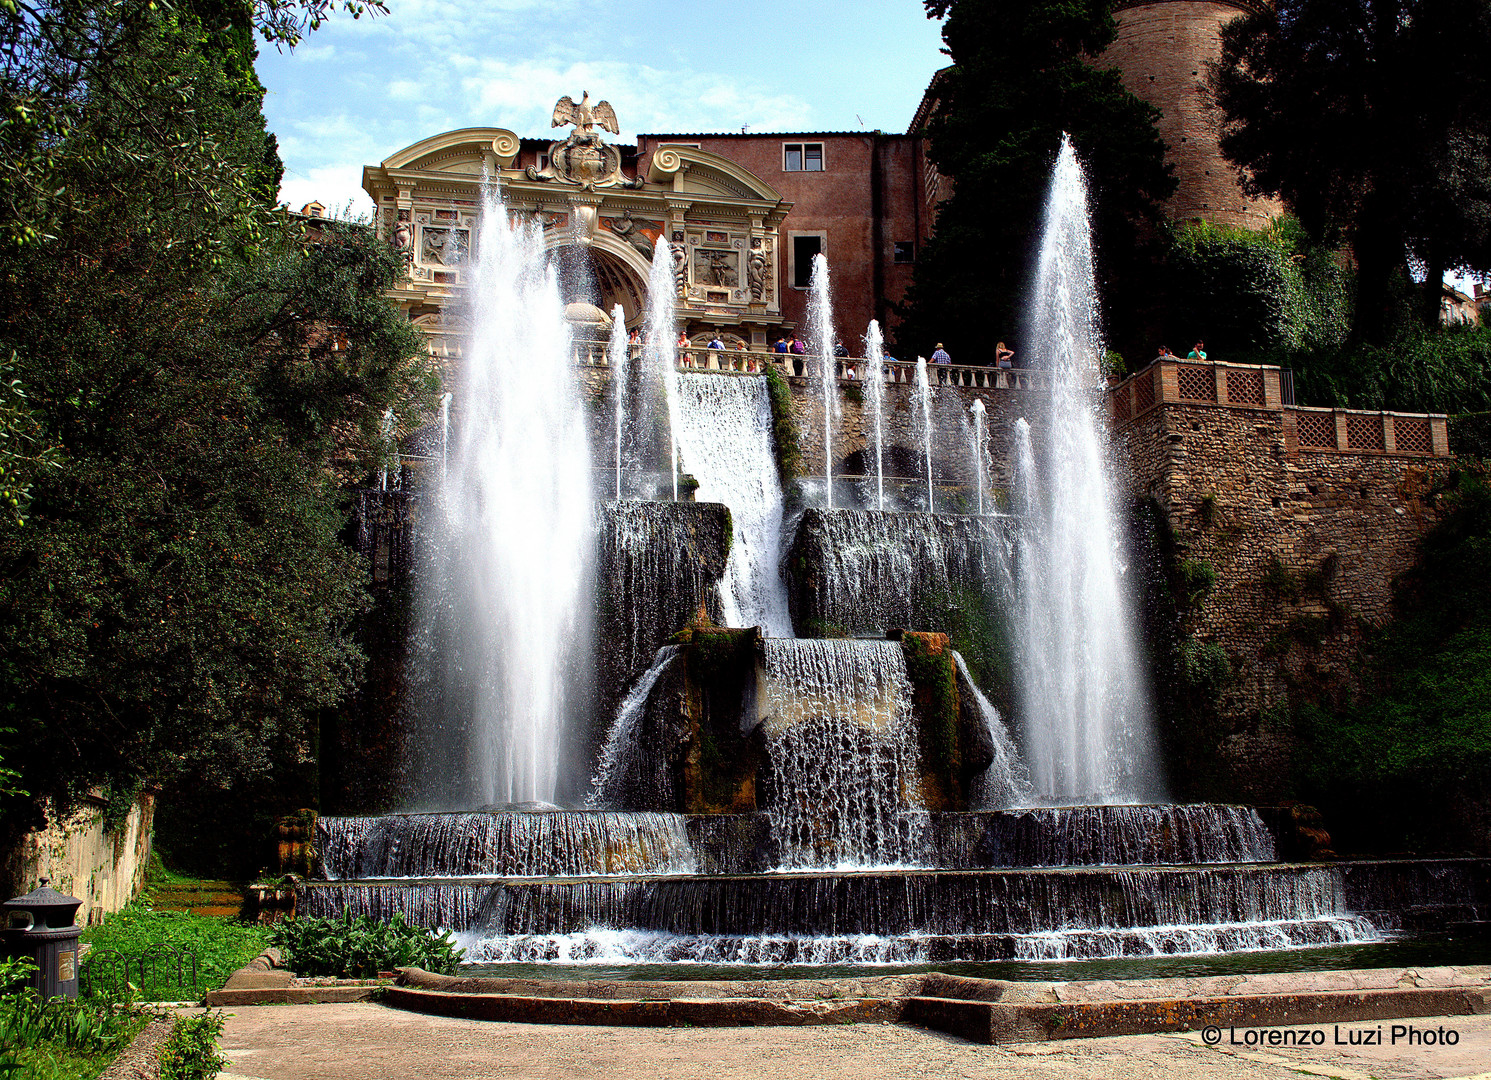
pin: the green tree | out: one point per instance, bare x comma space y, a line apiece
1022, 74
1372, 120
178, 602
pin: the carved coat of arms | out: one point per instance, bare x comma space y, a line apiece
585, 158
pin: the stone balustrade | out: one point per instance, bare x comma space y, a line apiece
1262, 387
849, 369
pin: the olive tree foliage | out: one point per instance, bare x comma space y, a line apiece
177, 602
1372, 120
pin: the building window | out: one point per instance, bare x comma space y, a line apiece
803, 250
802, 157
904, 252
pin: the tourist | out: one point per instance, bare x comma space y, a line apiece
635, 337
940, 356
1165, 353
796, 347
840, 349
1198, 352
1003, 356
715, 343
781, 345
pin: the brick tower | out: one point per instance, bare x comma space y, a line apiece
1163, 48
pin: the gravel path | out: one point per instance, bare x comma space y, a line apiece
373, 1042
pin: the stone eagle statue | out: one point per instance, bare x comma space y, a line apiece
585, 116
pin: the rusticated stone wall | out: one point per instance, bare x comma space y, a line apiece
1305, 546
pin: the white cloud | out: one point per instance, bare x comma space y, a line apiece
335, 186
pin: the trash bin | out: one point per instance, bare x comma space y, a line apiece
42, 925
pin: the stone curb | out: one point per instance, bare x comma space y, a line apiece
677, 1012
262, 981
980, 1010
999, 1022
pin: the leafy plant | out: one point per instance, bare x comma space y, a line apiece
783, 428
360, 947
221, 946
190, 1051
58, 1038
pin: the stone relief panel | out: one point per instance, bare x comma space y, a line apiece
443, 245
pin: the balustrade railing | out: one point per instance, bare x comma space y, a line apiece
848, 369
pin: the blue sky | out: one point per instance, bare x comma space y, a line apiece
358, 90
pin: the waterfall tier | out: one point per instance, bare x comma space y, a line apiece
863, 571
908, 916
843, 753
508, 843
512, 843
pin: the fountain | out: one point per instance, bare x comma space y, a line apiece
924, 417
507, 559
660, 350
620, 360
821, 344
802, 760
874, 383
1081, 686
979, 466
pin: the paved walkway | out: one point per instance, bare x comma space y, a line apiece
373, 1042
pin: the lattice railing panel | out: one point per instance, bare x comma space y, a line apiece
1245, 387
1364, 433
1123, 404
1196, 383
1316, 429
1413, 435
1143, 392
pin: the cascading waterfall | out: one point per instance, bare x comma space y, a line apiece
872, 571
508, 580
724, 431
843, 753
554, 843
924, 407
874, 390
618, 756
660, 350
620, 360
1081, 688
1006, 782
820, 344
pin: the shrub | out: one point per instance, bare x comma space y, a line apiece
359, 948
190, 1051
783, 428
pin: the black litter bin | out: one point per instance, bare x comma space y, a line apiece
42, 925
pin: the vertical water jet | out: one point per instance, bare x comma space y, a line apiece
821, 344
508, 572
1081, 687
874, 383
620, 360
924, 406
660, 351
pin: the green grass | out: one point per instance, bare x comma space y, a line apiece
54, 1061
221, 945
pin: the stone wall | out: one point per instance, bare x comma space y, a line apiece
103, 867
1305, 545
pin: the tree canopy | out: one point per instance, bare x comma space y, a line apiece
1023, 72
1372, 120
191, 360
